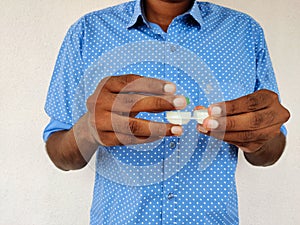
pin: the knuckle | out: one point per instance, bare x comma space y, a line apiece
151, 84
123, 80
122, 102
126, 79
107, 79
263, 91
269, 117
96, 100
230, 124
253, 102
159, 103
129, 101
271, 94
106, 82
159, 129
133, 126
256, 120
230, 107
247, 136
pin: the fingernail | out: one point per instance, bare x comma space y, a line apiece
179, 102
169, 88
216, 111
202, 129
212, 124
177, 130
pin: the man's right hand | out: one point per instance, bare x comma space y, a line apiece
118, 99
111, 121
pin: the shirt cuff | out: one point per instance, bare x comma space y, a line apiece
54, 126
283, 130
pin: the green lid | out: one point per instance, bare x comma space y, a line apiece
187, 100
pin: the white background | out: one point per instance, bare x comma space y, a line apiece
34, 192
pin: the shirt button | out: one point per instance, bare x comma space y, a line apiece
173, 48
172, 144
170, 196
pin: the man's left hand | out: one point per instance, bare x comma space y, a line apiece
248, 122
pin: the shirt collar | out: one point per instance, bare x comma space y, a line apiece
196, 13
139, 13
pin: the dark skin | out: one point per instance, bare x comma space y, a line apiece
162, 12
252, 122
110, 119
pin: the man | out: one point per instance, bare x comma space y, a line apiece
166, 43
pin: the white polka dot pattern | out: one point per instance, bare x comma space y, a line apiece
187, 191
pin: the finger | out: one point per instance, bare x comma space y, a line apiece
113, 139
246, 146
244, 122
258, 100
247, 136
142, 103
136, 83
137, 127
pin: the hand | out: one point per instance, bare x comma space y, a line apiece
247, 122
118, 99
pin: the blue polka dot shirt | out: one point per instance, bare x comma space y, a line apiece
212, 54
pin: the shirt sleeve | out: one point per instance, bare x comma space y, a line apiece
54, 126
265, 77
65, 102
